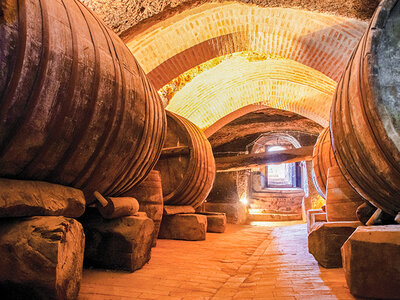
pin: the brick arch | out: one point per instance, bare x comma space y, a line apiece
209, 131
237, 82
320, 41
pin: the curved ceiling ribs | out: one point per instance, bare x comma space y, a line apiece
234, 83
312, 50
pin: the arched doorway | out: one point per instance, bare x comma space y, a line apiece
276, 191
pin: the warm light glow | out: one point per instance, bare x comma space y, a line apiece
170, 89
244, 200
317, 202
237, 82
309, 52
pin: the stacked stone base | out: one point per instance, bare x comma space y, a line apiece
123, 243
41, 258
315, 216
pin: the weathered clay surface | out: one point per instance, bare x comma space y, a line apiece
22, 198
235, 212
371, 262
179, 209
124, 14
190, 227
123, 243
41, 258
326, 239
216, 222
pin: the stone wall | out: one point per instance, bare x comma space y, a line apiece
122, 15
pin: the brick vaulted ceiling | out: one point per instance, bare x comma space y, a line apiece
237, 82
307, 53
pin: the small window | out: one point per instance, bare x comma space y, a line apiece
282, 175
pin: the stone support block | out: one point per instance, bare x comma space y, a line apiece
123, 243
311, 220
216, 222
190, 227
24, 198
41, 258
371, 262
326, 239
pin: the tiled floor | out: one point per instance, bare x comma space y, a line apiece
245, 262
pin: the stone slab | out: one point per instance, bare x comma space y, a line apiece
190, 227
123, 243
310, 219
326, 239
24, 198
178, 209
41, 258
317, 218
371, 262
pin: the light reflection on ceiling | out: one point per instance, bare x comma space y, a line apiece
237, 81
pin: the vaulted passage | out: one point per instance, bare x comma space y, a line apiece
199, 149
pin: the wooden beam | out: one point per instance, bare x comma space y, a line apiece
174, 151
248, 161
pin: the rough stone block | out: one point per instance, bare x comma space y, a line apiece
178, 209
310, 219
236, 213
23, 198
371, 262
122, 243
41, 258
216, 222
326, 239
190, 227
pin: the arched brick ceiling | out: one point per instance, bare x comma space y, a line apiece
237, 82
320, 41
240, 132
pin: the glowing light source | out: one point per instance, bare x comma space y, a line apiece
244, 200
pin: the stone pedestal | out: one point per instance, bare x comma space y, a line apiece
24, 198
326, 239
41, 258
190, 227
178, 209
123, 243
311, 217
236, 213
216, 222
371, 262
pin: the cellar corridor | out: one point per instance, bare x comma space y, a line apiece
268, 260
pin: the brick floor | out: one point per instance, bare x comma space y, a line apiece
264, 261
